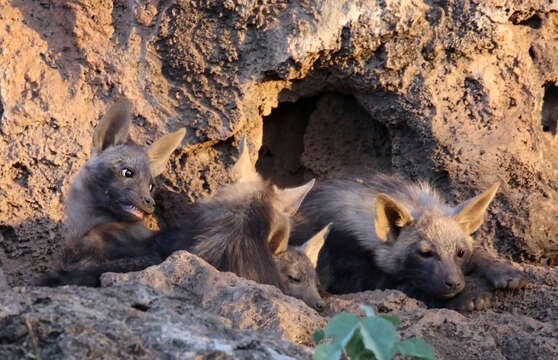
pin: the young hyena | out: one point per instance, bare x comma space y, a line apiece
244, 228
391, 233
107, 202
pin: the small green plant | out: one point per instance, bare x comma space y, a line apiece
373, 337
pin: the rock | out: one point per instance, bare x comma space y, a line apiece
3, 281
248, 305
125, 322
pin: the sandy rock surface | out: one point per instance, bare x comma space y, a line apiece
463, 93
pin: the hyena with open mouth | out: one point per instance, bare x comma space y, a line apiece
107, 202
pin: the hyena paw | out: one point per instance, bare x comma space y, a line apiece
507, 277
471, 301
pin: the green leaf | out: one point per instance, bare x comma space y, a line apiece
329, 351
394, 319
380, 337
368, 310
416, 347
365, 355
341, 328
355, 346
319, 335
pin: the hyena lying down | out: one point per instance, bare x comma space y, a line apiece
390, 233
245, 229
107, 201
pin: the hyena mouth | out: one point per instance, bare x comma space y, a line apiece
134, 211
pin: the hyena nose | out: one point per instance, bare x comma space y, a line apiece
148, 201
319, 306
453, 284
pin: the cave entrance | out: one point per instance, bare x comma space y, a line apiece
324, 136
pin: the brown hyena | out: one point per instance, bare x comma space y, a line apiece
244, 227
391, 233
107, 201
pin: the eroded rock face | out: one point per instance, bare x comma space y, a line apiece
248, 305
125, 322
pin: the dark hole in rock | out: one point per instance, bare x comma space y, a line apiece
550, 109
20, 173
141, 307
533, 53
534, 21
324, 136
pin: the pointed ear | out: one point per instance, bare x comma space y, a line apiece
113, 128
390, 217
291, 198
243, 169
160, 151
470, 214
313, 246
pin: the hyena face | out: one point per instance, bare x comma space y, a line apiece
297, 267
121, 182
430, 249
435, 251
119, 176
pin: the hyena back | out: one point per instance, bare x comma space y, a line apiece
108, 200
391, 233
242, 227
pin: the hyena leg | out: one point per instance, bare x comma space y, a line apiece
470, 300
499, 274
87, 274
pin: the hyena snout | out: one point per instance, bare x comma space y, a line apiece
316, 303
452, 283
146, 203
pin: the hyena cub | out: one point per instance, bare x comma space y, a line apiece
390, 233
244, 228
107, 202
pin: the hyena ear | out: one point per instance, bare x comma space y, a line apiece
390, 217
113, 128
244, 170
313, 246
160, 151
470, 214
290, 199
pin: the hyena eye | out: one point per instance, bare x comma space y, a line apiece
426, 253
460, 253
127, 172
150, 187
294, 279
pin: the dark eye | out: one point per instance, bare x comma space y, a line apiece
426, 253
460, 253
294, 279
127, 172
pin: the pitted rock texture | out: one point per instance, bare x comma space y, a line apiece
124, 322
248, 305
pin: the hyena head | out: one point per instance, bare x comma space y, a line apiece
118, 179
247, 222
297, 267
430, 248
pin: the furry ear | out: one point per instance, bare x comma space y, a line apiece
313, 246
470, 214
390, 217
291, 198
244, 170
160, 151
113, 128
